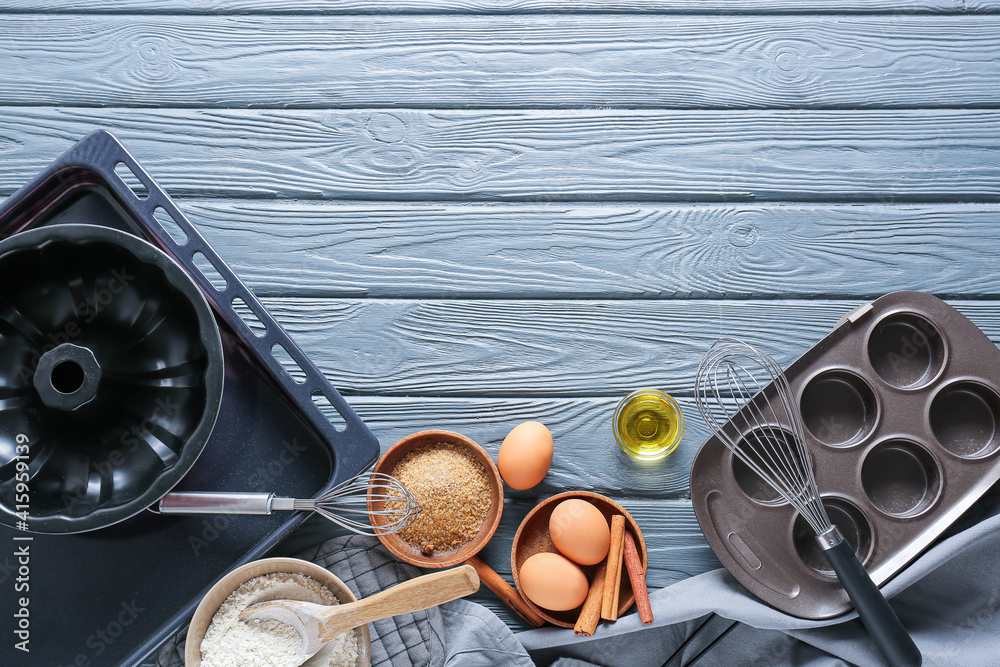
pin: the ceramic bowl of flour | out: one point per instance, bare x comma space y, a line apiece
228, 642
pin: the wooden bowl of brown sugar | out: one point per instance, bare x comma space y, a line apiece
468, 478
421, 454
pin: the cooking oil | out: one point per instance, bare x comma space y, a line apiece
648, 424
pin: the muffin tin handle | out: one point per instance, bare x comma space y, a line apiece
855, 315
889, 635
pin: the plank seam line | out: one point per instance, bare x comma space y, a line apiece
811, 297
492, 397
501, 395
814, 11
845, 108
971, 199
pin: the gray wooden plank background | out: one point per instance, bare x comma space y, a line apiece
471, 213
305, 7
503, 61
535, 155
494, 250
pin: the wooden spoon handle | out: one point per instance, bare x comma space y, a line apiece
506, 592
416, 594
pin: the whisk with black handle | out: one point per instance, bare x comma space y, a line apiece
345, 505
744, 397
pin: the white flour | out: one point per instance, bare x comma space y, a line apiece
230, 642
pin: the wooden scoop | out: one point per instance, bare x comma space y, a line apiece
318, 624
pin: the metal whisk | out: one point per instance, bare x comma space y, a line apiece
744, 397
345, 505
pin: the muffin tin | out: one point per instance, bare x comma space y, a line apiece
901, 405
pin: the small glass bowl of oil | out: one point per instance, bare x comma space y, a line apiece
648, 424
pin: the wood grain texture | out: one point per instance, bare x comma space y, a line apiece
551, 210
585, 454
677, 548
454, 250
549, 348
503, 6
884, 156
503, 62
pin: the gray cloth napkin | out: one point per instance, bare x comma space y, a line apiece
949, 600
459, 633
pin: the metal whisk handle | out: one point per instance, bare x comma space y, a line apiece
210, 502
889, 635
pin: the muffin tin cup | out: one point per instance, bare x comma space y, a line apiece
853, 525
755, 487
900, 478
964, 417
906, 351
839, 408
901, 412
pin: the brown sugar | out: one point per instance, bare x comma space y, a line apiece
454, 493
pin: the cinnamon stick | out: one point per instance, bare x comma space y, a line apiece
590, 613
613, 580
637, 575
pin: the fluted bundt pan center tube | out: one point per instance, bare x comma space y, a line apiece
67, 376
111, 375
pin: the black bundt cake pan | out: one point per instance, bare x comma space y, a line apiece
111, 369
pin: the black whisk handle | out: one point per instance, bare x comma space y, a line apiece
889, 635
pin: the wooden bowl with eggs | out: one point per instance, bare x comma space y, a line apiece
533, 537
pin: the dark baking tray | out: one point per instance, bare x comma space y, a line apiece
112, 596
901, 404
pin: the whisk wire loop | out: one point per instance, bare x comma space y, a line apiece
744, 396
352, 497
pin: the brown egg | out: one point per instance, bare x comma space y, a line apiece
553, 582
525, 455
580, 532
